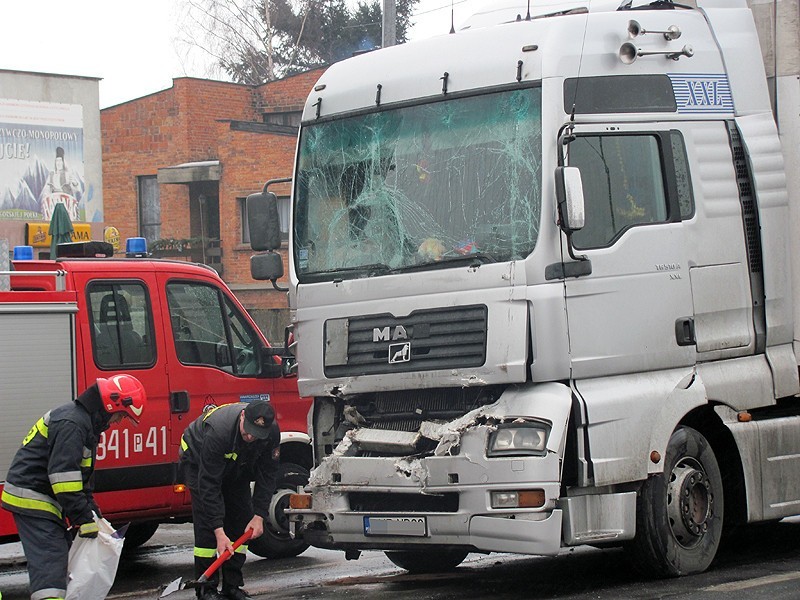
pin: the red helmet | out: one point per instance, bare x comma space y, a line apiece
122, 393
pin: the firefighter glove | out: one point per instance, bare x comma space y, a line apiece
88, 530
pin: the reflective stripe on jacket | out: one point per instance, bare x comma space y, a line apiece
50, 474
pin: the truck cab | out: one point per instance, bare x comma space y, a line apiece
541, 274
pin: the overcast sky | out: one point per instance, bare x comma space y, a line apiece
130, 45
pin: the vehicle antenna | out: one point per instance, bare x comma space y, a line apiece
452, 18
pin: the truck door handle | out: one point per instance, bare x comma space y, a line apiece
179, 401
684, 331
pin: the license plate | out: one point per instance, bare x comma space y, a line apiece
412, 526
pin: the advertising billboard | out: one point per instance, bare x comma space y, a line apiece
42, 160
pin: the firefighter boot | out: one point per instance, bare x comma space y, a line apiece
209, 593
235, 593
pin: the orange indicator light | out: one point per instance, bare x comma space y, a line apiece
300, 501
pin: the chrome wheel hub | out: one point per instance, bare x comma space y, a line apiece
690, 502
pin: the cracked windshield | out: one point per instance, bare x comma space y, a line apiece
449, 183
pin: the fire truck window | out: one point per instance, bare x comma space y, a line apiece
245, 347
208, 329
623, 185
121, 325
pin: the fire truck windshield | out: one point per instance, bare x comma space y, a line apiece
418, 187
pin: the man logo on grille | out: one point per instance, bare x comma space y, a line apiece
399, 353
385, 334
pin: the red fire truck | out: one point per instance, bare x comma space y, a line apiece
179, 329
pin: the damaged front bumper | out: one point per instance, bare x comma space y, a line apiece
468, 500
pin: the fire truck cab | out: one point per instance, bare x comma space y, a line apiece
180, 330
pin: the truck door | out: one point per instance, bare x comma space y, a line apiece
634, 312
215, 353
121, 328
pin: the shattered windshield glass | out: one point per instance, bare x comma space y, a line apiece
453, 182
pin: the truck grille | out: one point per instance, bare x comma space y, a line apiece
425, 340
406, 410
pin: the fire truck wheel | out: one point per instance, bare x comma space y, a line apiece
138, 534
276, 541
680, 513
427, 561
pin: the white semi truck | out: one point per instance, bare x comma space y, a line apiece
541, 285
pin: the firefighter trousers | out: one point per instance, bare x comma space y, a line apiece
238, 512
46, 545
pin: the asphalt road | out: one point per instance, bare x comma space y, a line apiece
762, 563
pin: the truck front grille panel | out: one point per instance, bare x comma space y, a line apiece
425, 340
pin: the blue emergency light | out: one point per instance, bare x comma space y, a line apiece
23, 252
136, 247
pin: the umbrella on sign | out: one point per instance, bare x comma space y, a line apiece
60, 228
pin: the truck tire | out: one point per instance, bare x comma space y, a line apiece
679, 514
276, 541
427, 561
138, 534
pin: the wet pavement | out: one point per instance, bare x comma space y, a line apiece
763, 564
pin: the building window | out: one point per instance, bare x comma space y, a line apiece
288, 118
284, 208
149, 209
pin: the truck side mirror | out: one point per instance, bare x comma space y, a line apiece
266, 267
269, 368
263, 221
569, 192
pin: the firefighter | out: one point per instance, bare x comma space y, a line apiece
49, 482
222, 451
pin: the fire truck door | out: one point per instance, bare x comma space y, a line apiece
120, 333
213, 350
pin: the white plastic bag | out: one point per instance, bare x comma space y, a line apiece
93, 564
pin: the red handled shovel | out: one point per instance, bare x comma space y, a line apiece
179, 585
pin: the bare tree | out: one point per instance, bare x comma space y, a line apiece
252, 41
236, 34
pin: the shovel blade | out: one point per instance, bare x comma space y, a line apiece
172, 586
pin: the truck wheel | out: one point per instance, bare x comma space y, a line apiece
138, 534
276, 541
679, 514
427, 561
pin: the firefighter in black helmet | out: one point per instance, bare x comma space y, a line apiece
48, 483
222, 451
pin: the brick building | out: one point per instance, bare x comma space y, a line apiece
178, 164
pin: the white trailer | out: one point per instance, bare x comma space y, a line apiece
541, 284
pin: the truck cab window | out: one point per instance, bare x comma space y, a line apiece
121, 325
623, 185
209, 329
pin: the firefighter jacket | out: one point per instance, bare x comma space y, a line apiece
51, 474
213, 445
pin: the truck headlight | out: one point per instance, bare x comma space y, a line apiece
518, 439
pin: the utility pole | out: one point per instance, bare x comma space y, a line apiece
389, 25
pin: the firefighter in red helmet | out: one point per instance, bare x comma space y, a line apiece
48, 487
